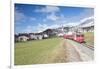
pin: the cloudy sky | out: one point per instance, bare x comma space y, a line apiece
37, 18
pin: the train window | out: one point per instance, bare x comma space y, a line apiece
82, 35
78, 35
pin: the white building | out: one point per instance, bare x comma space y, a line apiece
23, 38
45, 36
40, 37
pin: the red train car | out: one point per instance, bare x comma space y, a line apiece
68, 36
79, 37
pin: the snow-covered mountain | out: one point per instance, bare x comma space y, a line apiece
87, 22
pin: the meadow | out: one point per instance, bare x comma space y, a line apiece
39, 52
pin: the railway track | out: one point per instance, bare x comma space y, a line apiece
89, 46
86, 45
86, 52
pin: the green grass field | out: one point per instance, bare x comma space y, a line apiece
39, 52
89, 38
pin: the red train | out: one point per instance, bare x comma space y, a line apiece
79, 37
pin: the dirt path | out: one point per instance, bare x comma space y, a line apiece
71, 52
76, 52
85, 53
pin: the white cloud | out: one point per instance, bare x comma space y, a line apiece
48, 9
35, 29
38, 28
21, 17
41, 27
50, 12
72, 24
54, 26
52, 17
28, 29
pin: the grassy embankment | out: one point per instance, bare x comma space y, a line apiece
89, 38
